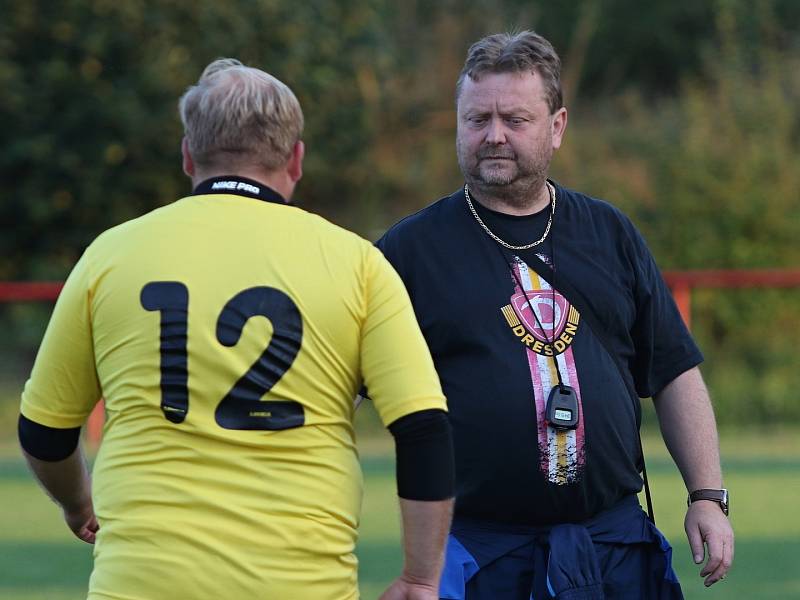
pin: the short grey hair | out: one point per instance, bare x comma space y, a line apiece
515, 53
237, 115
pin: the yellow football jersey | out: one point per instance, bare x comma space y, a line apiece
228, 336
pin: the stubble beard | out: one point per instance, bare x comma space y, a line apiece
515, 187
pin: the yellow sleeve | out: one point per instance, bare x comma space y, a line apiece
396, 364
63, 387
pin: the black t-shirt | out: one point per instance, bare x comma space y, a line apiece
491, 324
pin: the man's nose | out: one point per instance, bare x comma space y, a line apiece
496, 132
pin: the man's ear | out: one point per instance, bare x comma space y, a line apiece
559, 127
188, 162
294, 167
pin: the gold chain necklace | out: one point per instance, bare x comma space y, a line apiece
489, 232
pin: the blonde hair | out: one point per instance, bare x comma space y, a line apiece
237, 115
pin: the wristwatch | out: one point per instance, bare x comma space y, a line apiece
719, 496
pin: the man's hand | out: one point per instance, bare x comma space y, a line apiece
67, 482
404, 588
82, 522
706, 524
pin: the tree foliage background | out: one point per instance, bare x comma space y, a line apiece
685, 113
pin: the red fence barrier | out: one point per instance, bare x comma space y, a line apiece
25, 291
680, 282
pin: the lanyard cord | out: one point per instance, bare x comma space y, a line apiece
648, 497
500, 242
533, 310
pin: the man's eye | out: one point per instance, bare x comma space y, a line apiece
477, 120
516, 120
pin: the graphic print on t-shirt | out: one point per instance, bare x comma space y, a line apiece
536, 315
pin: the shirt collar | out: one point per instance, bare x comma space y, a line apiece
240, 186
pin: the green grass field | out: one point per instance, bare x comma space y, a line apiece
40, 561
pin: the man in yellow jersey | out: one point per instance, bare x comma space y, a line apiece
228, 333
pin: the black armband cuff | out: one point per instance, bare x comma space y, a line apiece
424, 448
47, 443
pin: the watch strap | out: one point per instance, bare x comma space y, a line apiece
719, 496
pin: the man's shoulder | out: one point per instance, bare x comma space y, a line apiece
584, 210
303, 223
431, 217
583, 202
114, 234
328, 231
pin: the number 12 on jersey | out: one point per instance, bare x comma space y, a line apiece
242, 407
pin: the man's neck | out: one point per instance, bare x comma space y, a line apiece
510, 201
276, 180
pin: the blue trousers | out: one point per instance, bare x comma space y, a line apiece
616, 555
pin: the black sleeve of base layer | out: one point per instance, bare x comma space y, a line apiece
424, 450
47, 443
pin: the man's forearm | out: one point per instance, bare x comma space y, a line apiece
66, 481
689, 429
690, 432
425, 528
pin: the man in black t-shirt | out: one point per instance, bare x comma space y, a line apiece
547, 319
